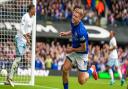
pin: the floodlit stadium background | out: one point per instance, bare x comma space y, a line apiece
53, 16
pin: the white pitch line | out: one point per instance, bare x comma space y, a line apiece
40, 86
45, 87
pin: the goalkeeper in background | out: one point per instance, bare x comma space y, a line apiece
22, 40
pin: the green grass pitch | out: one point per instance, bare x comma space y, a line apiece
54, 82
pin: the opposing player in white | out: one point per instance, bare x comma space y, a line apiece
113, 58
22, 40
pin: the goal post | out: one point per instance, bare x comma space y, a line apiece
11, 12
33, 48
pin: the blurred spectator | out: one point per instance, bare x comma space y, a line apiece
57, 9
118, 12
39, 63
100, 7
62, 10
52, 55
48, 62
98, 55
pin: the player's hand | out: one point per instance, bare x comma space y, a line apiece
28, 35
63, 34
69, 50
28, 42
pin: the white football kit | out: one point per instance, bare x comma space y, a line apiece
26, 26
113, 56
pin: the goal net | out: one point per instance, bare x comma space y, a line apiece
11, 12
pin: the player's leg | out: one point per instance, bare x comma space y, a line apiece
83, 73
120, 75
119, 71
110, 64
82, 77
65, 72
117, 65
20, 50
112, 81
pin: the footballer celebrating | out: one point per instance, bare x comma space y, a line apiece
78, 53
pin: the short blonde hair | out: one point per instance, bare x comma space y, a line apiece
80, 11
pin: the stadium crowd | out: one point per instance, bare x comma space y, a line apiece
95, 9
118, 12
52, 55
56, 9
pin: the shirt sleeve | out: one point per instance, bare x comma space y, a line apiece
23, 22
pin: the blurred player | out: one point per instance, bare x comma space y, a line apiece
22, 40
78, 53
113, 58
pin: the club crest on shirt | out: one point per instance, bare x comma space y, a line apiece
75, 36
82, 38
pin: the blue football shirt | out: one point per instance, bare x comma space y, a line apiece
79, 35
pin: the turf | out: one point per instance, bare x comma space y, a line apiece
53, 82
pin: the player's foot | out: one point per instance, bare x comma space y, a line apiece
122, 82
112, 82
9, 82
95, 74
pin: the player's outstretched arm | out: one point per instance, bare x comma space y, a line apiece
68, 33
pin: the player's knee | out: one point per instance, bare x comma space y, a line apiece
117, 68
86, 77
81, 81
